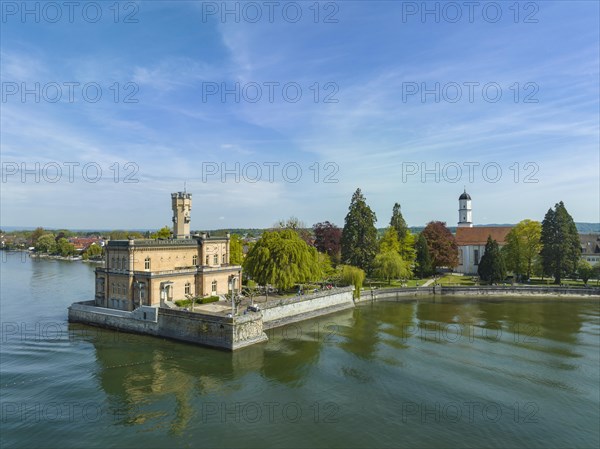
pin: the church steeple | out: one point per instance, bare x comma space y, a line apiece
465, 217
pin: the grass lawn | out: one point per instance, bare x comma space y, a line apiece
550, 282
456, 280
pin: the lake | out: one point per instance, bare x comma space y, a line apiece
429, 373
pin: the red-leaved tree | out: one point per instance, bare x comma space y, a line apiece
442, 245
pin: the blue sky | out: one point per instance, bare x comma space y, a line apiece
362, 119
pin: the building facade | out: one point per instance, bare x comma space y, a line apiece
471, 240
590, 247
151, 271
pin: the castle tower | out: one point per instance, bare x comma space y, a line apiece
181, 203
465, 217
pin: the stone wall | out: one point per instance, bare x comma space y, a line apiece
210, 330
278, 313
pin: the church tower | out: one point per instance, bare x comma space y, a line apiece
465, 217
181, 203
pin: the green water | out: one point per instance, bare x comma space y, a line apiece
418, 374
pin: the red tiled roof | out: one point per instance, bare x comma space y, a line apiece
479, 235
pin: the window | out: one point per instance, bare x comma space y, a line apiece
188, 288
476, 257
113, 288
124, 263
112, 262
194, 260
216, 259
207, 260
147, 263
224, 258
214, 286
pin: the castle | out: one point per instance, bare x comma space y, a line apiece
149, 272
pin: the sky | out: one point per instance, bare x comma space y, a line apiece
267, 110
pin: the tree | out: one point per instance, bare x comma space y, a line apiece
423, 259
46, 244
35, 235
297, 225
325, 267
389, 265
442, 245
397, 222
64, 247
327, 240
94, 251
523, 245
350, 275
407, 248
236, 255
359, 236
125, 235
283, 259
162, 233
491, 266
389, 241
585, 270
561, 248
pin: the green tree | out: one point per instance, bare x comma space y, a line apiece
94, 251
407, 248
561, 247
390, 265
350, 275
397, 222
522, 247
442, 245
282, 258
389, 241
423, 265
46, 244
585, 270
491, 266
325, 266
359, 236
162, 233
236, 255
64, 247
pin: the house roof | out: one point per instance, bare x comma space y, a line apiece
479, 235
590, 243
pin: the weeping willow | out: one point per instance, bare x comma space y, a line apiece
281, 258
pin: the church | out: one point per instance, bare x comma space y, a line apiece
151, 271
471, 240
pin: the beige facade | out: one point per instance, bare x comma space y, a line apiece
150, 271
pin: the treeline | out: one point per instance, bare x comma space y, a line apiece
291, 253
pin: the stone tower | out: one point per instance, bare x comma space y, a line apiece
465, 217
181, 203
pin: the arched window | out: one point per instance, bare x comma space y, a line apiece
147, 263
214, 286
224, 258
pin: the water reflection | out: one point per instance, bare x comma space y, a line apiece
158, 383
